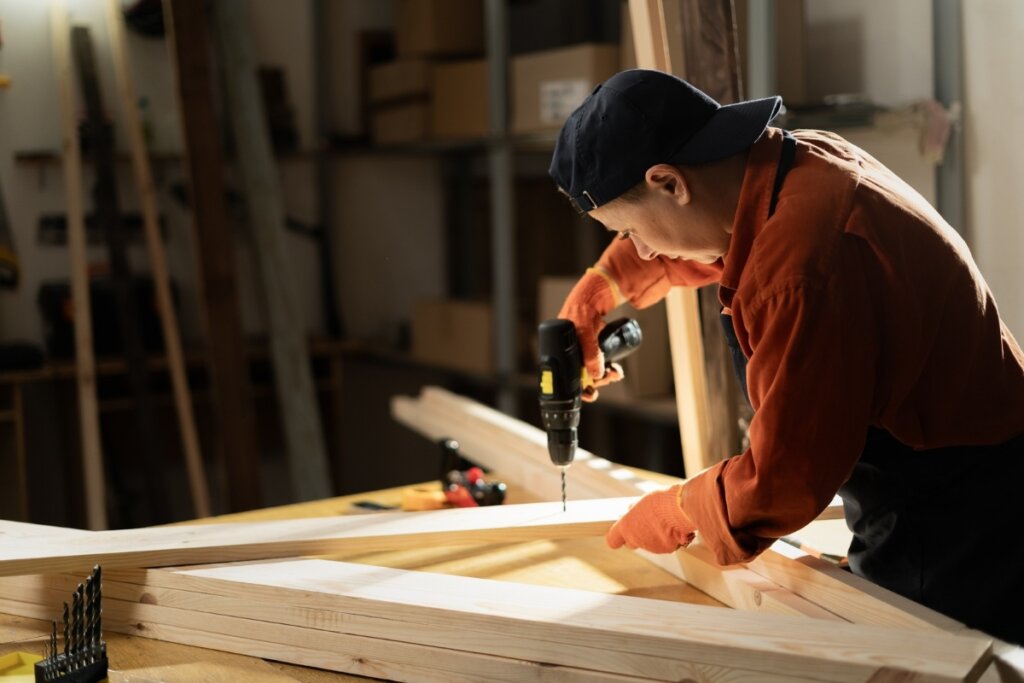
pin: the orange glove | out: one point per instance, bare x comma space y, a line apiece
587, 304
656, 523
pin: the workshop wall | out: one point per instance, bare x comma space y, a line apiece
880, 48
994, 138
30, 117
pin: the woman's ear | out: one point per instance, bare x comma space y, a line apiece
668, 180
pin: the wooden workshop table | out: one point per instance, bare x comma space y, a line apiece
579, 563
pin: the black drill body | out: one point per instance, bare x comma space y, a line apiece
562, 381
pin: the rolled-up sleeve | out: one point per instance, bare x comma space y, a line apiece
811, 377
644, 283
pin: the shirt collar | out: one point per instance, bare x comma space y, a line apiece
752, 208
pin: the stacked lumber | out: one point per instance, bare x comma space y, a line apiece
519, 452
408, 625
783, 580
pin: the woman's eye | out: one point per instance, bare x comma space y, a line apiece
624, 235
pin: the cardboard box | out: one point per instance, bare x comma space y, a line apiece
461, 102
547, 86
402, 79
454, 334
401, 123
439, 28
649, 369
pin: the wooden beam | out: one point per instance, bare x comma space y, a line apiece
850, 596
213, 235
99, 131
334, 604
737, 586
85, 362
685, 335
519, 452
307, 455
166, 546
158, 264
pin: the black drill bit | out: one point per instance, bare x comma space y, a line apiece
77, 627
94, 614
67, 637
563, 489
99, 612
53, 642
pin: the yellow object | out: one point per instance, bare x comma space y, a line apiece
18, 667
5, 81
416, 498
547, 382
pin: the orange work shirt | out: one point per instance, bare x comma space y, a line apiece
856, 305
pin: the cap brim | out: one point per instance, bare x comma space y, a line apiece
732, 129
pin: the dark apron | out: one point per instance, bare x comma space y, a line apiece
941, 526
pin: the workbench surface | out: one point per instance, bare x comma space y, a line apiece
579, 563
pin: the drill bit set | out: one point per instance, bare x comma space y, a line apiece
84, 655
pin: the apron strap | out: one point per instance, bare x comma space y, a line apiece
739, 360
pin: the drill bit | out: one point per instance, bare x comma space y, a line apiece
563, 487
53, 642
67, 634
77, 628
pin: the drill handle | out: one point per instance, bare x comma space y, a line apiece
619, 338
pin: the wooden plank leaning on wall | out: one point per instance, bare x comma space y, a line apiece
213, 236
158, 264
695, 39
85, 362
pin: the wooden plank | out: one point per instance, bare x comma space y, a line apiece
519, 450
850, 596
100, 133
158, 264
736, 585
378, 637
85, 362
685, 340
617, 634
700, 36
213, 235
307, 455
377, 658
164, 546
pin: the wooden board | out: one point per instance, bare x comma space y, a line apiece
850, 596
85, 362
165, 546
153, 499
686, 337
613, 634
293, 379
158, 264
213, 235
519, 452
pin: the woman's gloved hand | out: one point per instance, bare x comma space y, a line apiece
586, 306
656, 523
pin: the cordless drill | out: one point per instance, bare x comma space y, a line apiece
563, 379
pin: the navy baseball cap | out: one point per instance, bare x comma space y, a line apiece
639, 118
